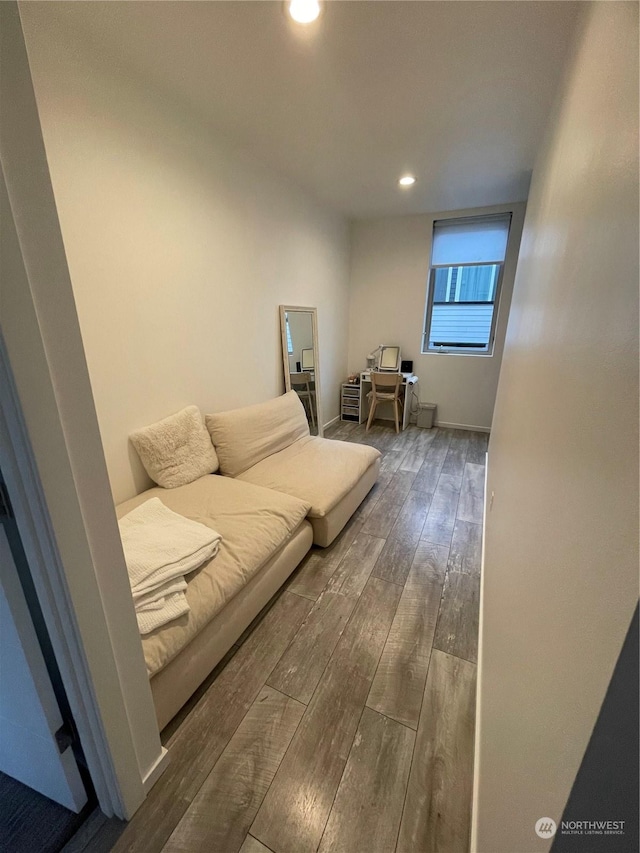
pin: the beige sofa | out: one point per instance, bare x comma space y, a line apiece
283, 490
269, 445
264, 536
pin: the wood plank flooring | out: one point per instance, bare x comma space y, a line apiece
343, 720
436, 808
223, 809
399, 681
366, 817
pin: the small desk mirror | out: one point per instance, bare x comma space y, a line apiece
299, 331
390, 359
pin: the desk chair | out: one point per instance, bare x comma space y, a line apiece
301, 383
384, 387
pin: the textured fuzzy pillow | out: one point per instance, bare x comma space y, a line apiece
177, 450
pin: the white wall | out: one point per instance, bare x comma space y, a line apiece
561, 548
109, 693
179, 252
389, 267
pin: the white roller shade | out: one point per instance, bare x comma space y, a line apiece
470, 241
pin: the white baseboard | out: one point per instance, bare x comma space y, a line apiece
478, 724
332, 421
462, 426
157, 769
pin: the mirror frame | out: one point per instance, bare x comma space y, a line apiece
284, 310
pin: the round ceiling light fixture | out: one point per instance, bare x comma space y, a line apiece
407, 180
304, 11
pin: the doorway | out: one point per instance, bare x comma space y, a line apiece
45, 789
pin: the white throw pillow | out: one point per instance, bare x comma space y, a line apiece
243, 437
177, 450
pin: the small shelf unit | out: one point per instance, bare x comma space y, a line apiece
350, 403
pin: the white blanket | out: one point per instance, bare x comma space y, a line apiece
160, 547
173, 606
154, 600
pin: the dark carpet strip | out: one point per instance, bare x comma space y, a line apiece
30, 822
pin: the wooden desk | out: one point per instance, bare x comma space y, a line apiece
355, 406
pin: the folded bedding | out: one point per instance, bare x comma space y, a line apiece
172, 607
153, 600
160, 548
254, 524
157, 608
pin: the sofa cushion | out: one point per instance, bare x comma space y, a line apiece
253, 522
176, 450
244, 437
320, 471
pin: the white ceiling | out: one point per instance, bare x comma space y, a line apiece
456, 92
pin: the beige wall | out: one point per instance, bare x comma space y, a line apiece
179, 252
561, 548
389, 267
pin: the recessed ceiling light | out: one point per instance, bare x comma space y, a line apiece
304, 11
407, 180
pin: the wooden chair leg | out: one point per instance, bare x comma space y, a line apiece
395, 412
371, 413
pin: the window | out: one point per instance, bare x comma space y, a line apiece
467, 258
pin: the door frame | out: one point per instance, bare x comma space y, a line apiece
32, 517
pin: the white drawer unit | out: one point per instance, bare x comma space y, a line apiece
350, 403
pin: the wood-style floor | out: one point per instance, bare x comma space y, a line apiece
343, 720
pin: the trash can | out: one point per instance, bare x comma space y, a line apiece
426, 415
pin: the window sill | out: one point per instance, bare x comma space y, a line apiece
456, 353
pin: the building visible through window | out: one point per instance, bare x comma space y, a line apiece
464, 283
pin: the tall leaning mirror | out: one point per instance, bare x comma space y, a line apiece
299, 331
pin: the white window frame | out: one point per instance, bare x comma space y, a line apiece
426, 329
465, 349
